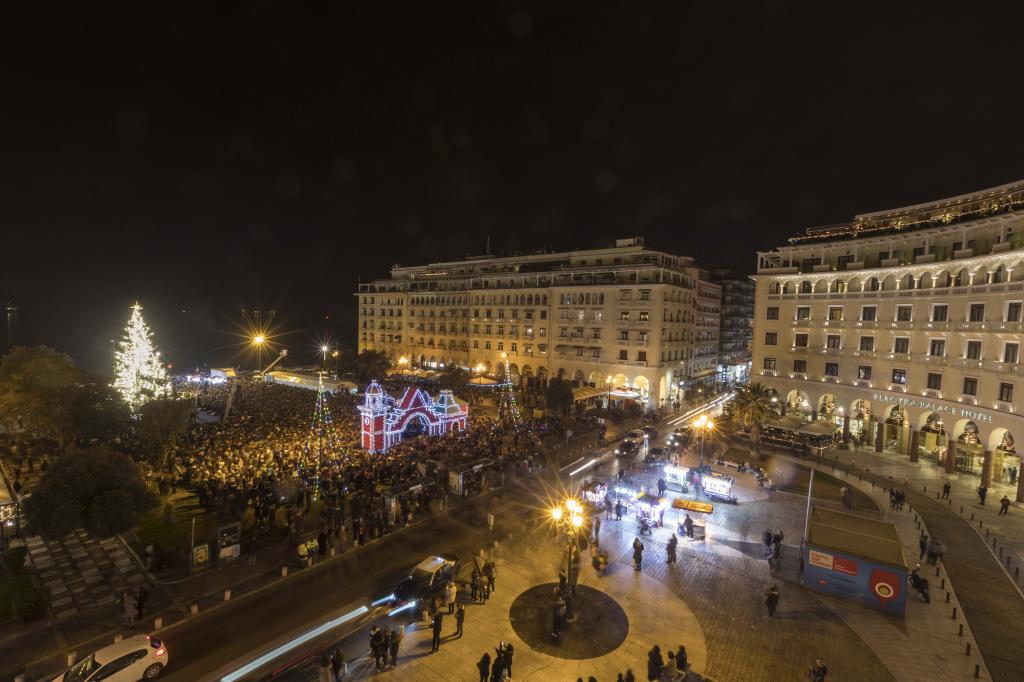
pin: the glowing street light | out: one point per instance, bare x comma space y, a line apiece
703, 424
556, 513
259, 340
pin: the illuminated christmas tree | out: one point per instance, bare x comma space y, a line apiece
138, 374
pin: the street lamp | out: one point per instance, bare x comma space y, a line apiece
703, 424
258, 340
570, 519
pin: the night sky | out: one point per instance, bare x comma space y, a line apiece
203, 158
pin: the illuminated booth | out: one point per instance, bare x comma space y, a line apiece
677, 478
718, 486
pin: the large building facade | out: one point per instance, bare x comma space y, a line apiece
626, 319
736, 330
904, 328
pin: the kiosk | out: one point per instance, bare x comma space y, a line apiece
718, 486
698, 511
855, 558
594, 493
676, 478
650, 507
466, 479
393, 497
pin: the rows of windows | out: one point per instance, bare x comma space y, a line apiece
898, 376
939, 312
936, 346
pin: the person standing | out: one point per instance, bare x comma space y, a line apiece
474, 585
484, 667
324, 673
1004, 506
393, 642
460, 617
670, 549
557, 614
436, 624
451, 592
771, 599
490, 572
818, 671
130, 608
982, 494
638, 554
946, 487
922, 544
141, 595
618, 510
655, 663
688, 526
597, 530
338, 665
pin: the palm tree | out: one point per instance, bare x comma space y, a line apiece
751, 407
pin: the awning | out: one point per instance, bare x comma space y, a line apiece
586, 393
482, 381
818, 427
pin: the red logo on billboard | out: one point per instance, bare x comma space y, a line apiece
844, 565
885, 585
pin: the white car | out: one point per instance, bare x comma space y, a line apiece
636, 434
140, 657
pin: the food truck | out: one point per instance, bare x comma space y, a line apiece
650, 507
676, 478
718, 486
594, 493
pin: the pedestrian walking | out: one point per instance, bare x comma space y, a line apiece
688, 526
338, 665
818, 671
682, 661
393, 643
638, 554
661, 487
377, 649
474, 585
490, 572
451, 593
557, 616
436, 624
141, 595
618, 510
771, 599
946, 487
670, 550
922, 544
982, 494
766, 537
130, 608
1004, 506
460, 617
933, 552
608, 508
655, 663
484, 666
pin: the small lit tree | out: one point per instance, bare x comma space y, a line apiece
138, 374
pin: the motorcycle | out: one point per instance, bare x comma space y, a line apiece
645, 527
920, 584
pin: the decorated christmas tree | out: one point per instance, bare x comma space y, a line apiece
138, 374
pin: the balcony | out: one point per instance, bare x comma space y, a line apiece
901, 324
899, 357
832, 351
865, 354
969, 399
940, 360
800, 323
1015, 327
967, 363
936, 324
769, 373
802, 350
862, 383
1003, 406
997, 366
971, 326
867, 324
830, 379
898, 388
798, 375
932, 393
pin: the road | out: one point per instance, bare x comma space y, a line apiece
202, 646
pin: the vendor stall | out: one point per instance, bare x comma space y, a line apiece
594, 493
466, 479
698, 513
676, 478
627, 496
401, 495
718, 486
650, 507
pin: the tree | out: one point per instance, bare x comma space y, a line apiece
559, 395
454, 378
365, 366
139, 375
751, 407
36, 392
161, 423
97, 411
98, 489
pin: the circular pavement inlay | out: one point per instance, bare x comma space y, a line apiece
601, 625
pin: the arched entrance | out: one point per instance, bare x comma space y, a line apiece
861, 422
542, 376
897, 430
595, 379
643, 387
577, 378
797, 403
1005, 461
415, 425
932, 441
968, 449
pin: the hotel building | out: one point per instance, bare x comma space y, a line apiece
630, 320
903, 327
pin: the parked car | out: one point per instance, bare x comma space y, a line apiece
627, 448
635, 434
140, 657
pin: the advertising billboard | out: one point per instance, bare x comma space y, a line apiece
855, 578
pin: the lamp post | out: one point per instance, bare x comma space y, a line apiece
569, 519
335, 356
608, 392
258, 341
703, 424
324, 349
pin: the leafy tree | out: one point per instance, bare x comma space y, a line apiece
559, 396
161, 423
98, 489
454, 378
36, 391
98, 412
752, 407
365, 366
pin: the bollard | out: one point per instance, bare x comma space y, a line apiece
1007, 560
972, 516
968, 648
193, 608
227, 594
72, 657
960, 632
986, 532
961, 509
936, 496
1000, 552
158, 623
947, 597
1016, 572
993, 543
943, 584
284, 571
954, 613
926, 488
950, 502
981, 524
977, 670
936, 569
118, 637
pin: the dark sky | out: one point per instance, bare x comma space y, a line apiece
206, 157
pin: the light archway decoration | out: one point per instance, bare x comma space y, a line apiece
384, 419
